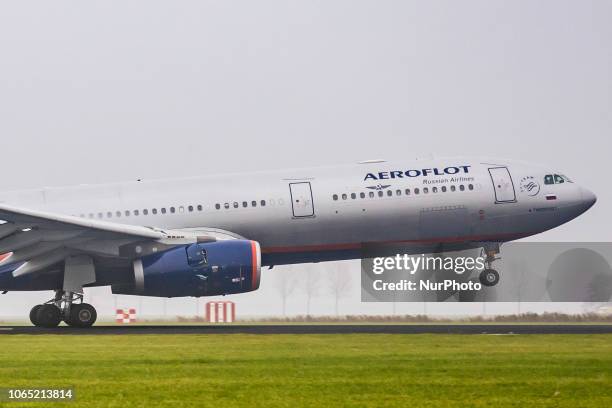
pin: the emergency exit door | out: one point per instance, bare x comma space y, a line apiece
502, 185
301, 199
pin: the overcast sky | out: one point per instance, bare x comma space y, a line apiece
118, 90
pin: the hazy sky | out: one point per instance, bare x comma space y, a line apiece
118, 90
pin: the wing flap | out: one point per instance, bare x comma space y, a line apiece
40, 262
15, 215
37, 240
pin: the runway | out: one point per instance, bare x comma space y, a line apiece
320, 329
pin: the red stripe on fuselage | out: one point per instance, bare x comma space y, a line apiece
360, 245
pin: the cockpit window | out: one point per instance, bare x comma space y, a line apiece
556, 179
548, 179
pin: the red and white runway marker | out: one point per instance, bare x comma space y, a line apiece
220, 312
126, 316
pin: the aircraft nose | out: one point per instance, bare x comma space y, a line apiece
588, 197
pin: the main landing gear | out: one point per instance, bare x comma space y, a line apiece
63, 308
489, 276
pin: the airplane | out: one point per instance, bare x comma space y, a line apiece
211, 235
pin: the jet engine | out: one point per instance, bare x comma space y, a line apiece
200, 269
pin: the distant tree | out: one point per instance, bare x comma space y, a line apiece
285, 284
340, 282
311, 285
600, 288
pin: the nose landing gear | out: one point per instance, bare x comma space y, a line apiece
63, 307
489, 276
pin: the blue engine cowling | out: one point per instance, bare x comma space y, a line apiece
202, 269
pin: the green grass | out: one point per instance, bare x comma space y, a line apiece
314, 370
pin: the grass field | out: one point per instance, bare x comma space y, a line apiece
314, 370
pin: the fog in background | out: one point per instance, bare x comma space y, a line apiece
95, 92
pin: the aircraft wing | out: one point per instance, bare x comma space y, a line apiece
38, 239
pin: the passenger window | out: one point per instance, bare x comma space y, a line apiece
407, 191
353, 196
136, 213
109, 214
548, 179
434, 190
344, 196
263, 203
380, 193
453, 188
444, 189
235, 205
398, 192
389, 193
335, 197
245, 204
172, 210
118, 214
470, 187
371, 194
218, 206
163, 210
559, 179
190, 208
362, 195
416, 191
127, 213
253, 203
200, 207
425, 190
145, 212
226, 206
462, 187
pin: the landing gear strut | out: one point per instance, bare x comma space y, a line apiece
63, 307
489, 276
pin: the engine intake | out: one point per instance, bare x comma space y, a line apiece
201, 269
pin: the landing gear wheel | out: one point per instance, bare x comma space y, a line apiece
48, 316
82, 315
33, 315
489, 277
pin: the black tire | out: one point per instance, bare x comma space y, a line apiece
48, 316
489, 277
33, 315
82, 315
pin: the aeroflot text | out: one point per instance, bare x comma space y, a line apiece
385, 175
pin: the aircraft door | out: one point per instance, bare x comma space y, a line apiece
301, 199
502, 185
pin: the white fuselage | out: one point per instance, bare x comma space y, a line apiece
329, 213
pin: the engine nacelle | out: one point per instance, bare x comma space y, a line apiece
202, 269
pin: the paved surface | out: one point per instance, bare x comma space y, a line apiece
321, 329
